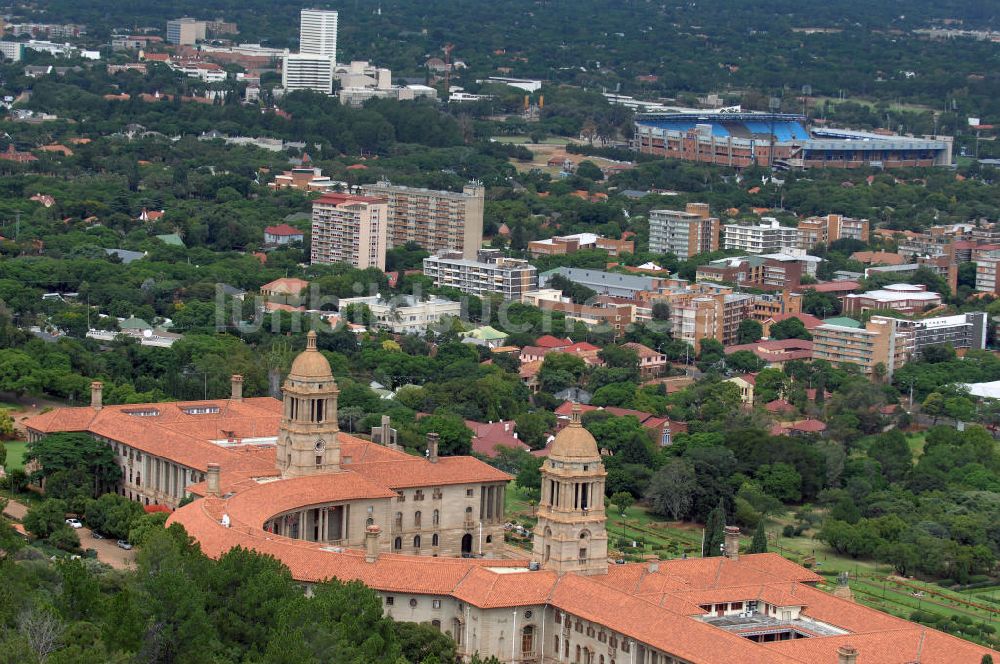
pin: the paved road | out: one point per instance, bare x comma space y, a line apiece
107, 549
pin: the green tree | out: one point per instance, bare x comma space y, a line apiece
781, 480
749, 331
622, 500
759, 542
790, 328
71, 451
533, 428
589, 170
113, 515
934, 406
714, 532
893, 454
454, 437
421, 642
6, 427
671, 489
45, 518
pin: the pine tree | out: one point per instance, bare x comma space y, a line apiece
715, 531
759, 542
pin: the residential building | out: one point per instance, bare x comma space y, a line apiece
651, 363
568, 244
187, 31
489, 437
987, 272
710, 317
614, 316
901, 298
627, 286
287, 290
878, 258
405, 314
880, 343
11, 51
766, 238
684, 234
962, 332
779, 271
282, 234
304, 71
318, 33
489, 273
746, 383
427, 535
776, 352
349, 229
436, 220
771, 305
832, 227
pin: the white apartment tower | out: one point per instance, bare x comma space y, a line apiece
318, 33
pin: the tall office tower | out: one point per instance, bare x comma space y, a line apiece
307, 72
318, 33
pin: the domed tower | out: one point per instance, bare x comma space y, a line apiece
307, 439
571, 535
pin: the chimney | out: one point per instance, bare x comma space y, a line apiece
212, 479
237, 387
847, 655
372, 533
96, 389
432, 447
732, 534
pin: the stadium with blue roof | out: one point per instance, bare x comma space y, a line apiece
740, 139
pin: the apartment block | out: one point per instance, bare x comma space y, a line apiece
987, 272
768, 272
710, 317
962, 332
832, 227
878, 343
766, 238
187, 31
683, 234
436, 220
349, 229
491, 273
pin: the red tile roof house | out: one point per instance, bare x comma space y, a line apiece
488, 437
662, 429
778, 351
287, 290
651, 363
282, 234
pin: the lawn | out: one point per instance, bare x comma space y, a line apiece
15, 454
916, 442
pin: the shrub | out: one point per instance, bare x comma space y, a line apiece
64, 538
788, 531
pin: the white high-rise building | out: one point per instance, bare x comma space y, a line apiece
318, 33
312, 68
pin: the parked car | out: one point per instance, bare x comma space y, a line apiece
74, 523
122, 544
96, 535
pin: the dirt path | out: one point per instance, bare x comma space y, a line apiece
27, 406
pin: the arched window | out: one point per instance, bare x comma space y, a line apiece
436, 517
397, 544
436, 624
434, 539
416, 541
489, 539
528, 640
369, 521
416, 518
578, 650
399, 520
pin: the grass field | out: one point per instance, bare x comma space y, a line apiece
15, 454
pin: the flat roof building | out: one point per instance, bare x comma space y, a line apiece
901, 298
879, 343
186, 31
349, 229
684, 234
436, 220
490, 273
766, 238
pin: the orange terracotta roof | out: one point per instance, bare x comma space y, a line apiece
901, 646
